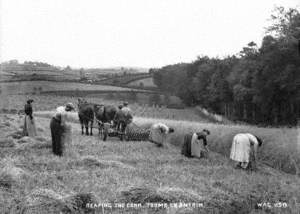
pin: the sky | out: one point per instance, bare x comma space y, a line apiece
137, 33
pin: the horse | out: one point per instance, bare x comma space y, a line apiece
86, 116
104, 114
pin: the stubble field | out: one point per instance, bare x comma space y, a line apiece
33, 180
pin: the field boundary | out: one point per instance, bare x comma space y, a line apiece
123, 80
89, 92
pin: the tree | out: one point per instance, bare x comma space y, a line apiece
68, 68
286, 24
259, 85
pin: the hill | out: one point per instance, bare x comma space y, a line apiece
125, 79
116, 70
145, 82
13, 70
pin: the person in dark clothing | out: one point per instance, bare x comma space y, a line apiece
119, 117
29, 128
56, 132
60, 130
186, 146
192, 147
28, 108
122, 119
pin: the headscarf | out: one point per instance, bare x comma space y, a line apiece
70, 106
29, 101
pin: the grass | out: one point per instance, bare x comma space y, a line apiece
50, 102
280, 150
147, 82
28, 87
117, 171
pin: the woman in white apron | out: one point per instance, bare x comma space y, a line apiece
244, 150
199, 147
195, 144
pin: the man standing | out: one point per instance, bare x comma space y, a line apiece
127, 116
158, 133
119, 118
29, 128
60, 130
126, 110
244, 150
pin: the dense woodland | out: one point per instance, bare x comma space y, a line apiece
259, 85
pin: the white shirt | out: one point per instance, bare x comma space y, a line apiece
61, 109
158, 133
241, 147
62, 113
161, 126
126, 110
252, 139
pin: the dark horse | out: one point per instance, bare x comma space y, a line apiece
104, 114
86, 116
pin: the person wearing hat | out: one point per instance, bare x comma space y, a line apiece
29, 128
126, 110
119, 117
244, 150
158, 133
61, 131
128, 114
192, 145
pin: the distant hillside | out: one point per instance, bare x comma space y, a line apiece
145, 82
37, 87
125, 79
114, 70
15, 71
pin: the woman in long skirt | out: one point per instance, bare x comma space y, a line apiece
29, 128
244, 150
192, 145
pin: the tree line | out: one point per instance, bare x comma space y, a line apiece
259, 85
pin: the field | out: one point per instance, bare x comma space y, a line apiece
281, 145
279, 151
44, 73
125, 79
25, 87
147, 82
35, 181
49, 102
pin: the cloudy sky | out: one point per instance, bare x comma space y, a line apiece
145, 33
